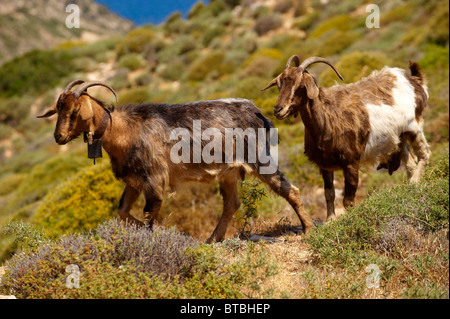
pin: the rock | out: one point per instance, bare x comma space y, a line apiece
265, 238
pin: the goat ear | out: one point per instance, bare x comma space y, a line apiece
86, 111
49, 112
272, 83
312, 90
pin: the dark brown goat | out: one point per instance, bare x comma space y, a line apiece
139, 141
368, 121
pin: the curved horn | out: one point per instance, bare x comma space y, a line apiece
72, 84
307, 62
294, 58
84, 87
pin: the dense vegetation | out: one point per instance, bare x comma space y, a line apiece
403, 231
226, 49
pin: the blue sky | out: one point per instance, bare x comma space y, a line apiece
148, 12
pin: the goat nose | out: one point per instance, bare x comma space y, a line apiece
276, 110
57, 137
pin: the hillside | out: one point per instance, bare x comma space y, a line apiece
232, 48
40, 24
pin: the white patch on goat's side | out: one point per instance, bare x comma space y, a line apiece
387, 122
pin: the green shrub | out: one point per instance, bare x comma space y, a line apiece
25, 235
354, 66
260, 11
283, 6
306, 21
132, 61
300, 8
440, 169
120, 80
439, 25
176, 25
246, 41
136, 41
171, 71
10, 182
112, 254
105, 56
122, 261
354, 238
84, 64
211, 34
235, 58
399, 13
335, 43
43, 177
13, 111
260, 67
135, 95
216, 7
181, 47
203, 66
143, 79
225, 18
249, 88
5, 131
185, 44
262, 63
341, 23
197, 9
80, 203
267, 23
270, 53
34, 72
93, 49
250, 196
436, 57
174, 17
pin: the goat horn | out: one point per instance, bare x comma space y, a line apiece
294, 58
307, 62
83, 88
72, 84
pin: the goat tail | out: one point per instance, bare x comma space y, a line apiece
416, 72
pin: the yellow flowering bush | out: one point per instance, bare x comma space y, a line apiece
80, 203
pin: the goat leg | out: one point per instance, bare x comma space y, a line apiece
129, 196
423, 153
229, 191
351, 184
281, 185
153, 204
328, 177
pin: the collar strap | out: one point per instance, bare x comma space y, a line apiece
100, 130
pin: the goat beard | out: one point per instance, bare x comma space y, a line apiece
291, 111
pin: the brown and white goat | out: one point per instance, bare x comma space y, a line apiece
371, 121
138, 139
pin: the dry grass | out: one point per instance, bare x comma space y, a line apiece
298, 274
